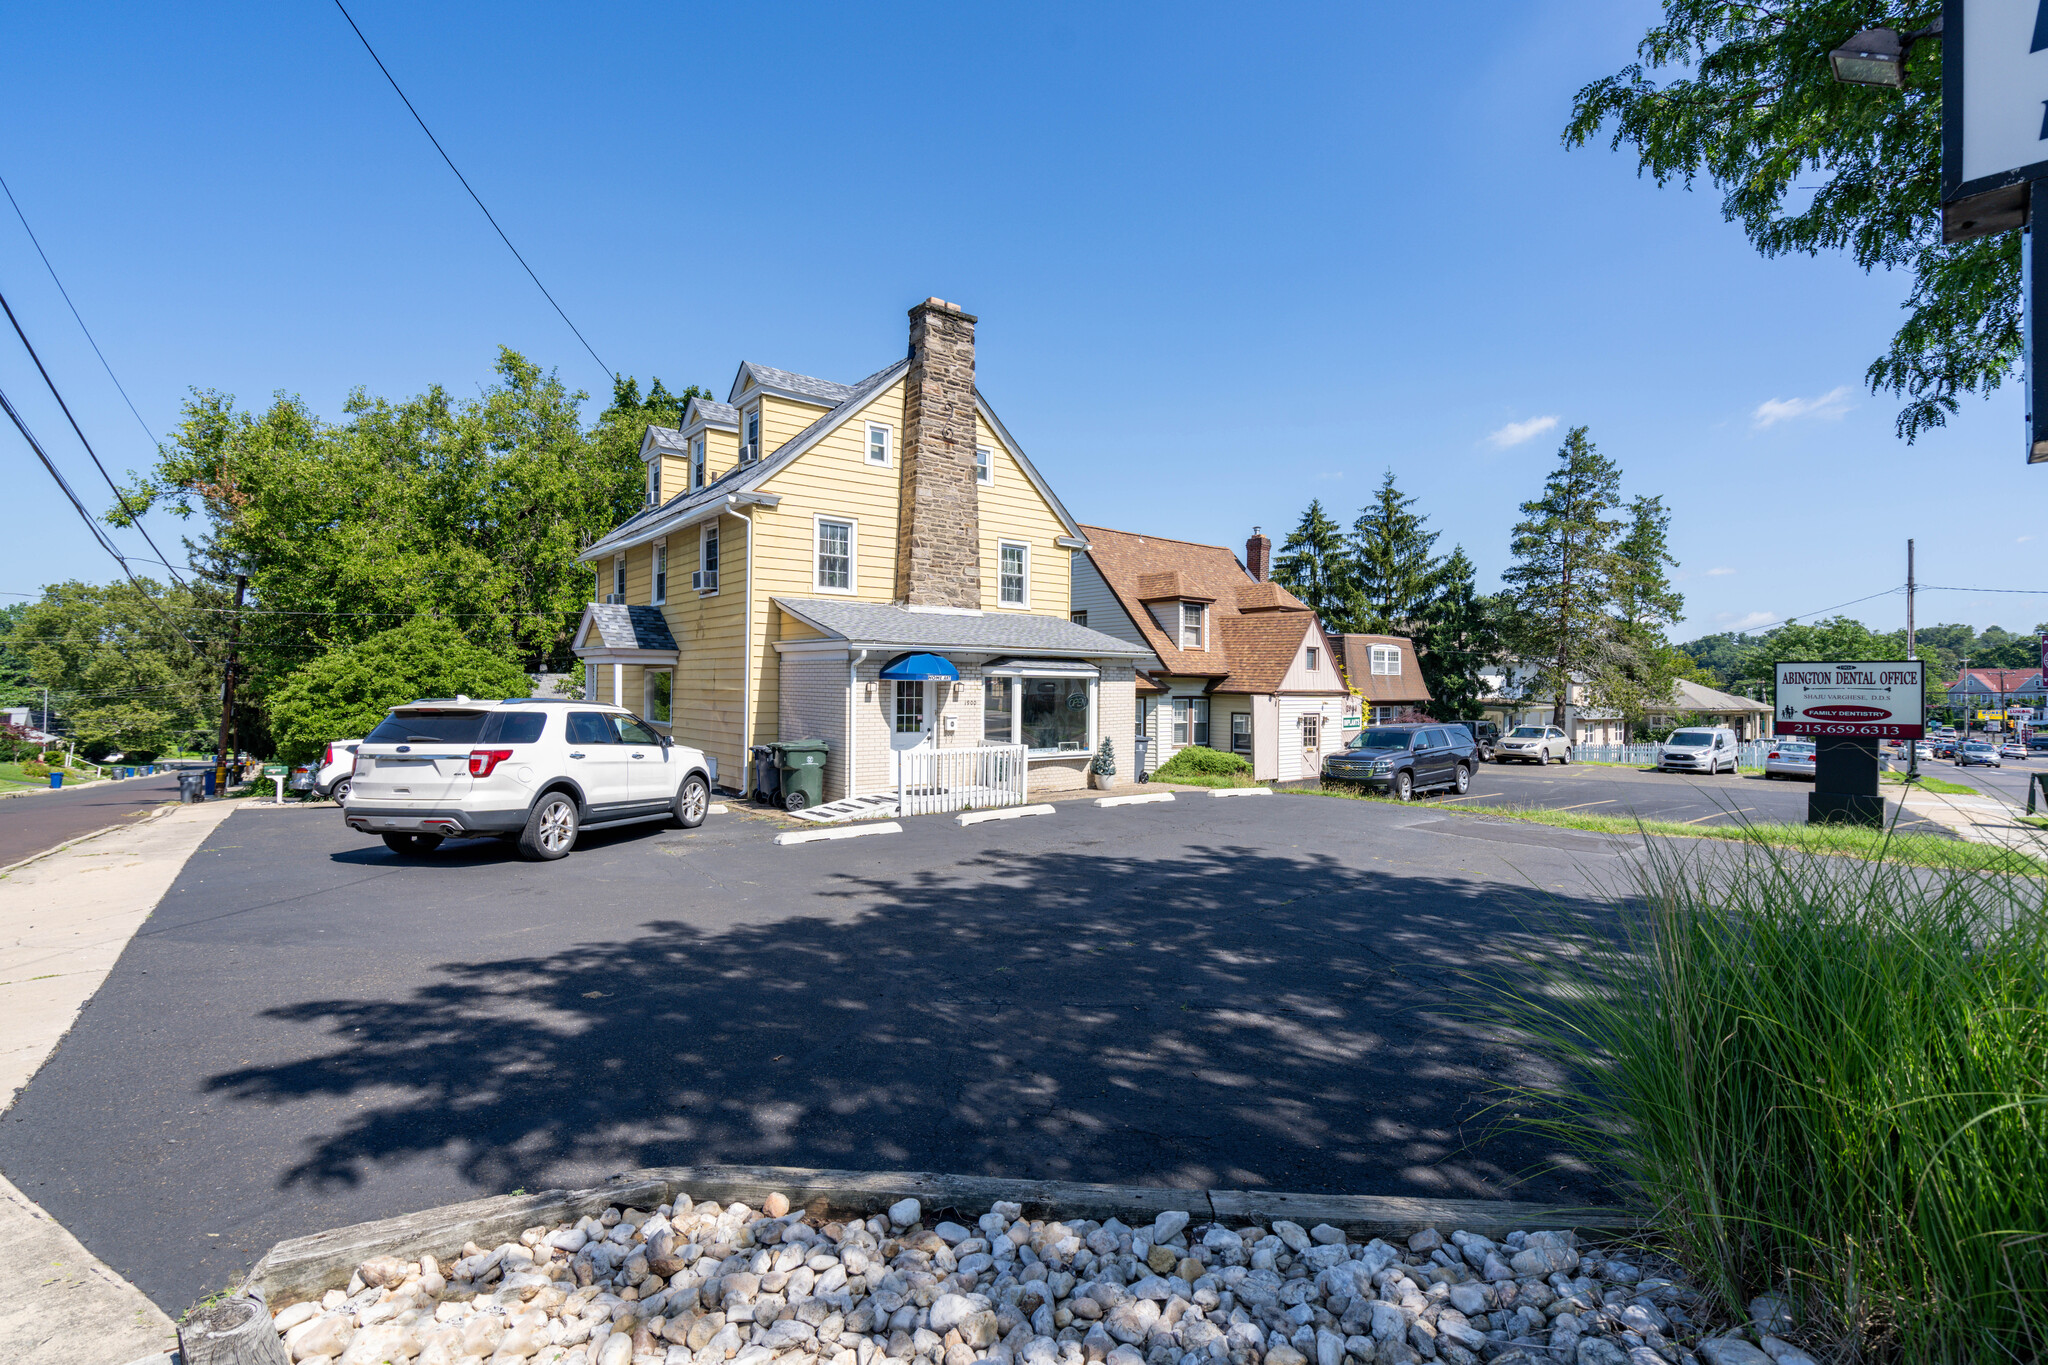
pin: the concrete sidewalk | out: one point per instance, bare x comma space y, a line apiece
65, 917
1980, 819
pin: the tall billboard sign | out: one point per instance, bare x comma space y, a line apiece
1994, 151
1882, 700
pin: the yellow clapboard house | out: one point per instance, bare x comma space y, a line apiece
874, 565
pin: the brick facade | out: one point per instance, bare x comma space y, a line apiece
938, 550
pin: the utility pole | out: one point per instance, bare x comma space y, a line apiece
46, 710
1912, 745
227, 692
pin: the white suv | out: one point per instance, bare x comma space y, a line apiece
537, 770
1536, 744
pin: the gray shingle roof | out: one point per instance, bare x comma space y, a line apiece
622, 627
824, 390
881, 623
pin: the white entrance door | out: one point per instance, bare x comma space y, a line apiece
912, 723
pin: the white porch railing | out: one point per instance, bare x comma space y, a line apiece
934, 781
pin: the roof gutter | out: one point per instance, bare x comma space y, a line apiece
681, 521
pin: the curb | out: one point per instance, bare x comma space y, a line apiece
76, 839
1133, 800
813, 836
976, 817
302, 1267
1243, 791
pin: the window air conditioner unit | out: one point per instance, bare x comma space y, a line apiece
704, 580
747, 453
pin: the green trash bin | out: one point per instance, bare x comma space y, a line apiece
801, 763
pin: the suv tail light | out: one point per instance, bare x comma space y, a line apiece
327, 757
484, 762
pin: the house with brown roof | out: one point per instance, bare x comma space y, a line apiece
1236, 661
1385, 679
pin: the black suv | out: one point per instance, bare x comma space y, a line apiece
1485, 734
1405, 759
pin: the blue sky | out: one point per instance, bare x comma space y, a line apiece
1226, 259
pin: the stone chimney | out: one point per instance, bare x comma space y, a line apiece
938, 539
1258, 555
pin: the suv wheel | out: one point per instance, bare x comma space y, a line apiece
340, 792
1566, 756
1462, 783
551, 829
1404, 786
693, 800
1543, 757
411, 845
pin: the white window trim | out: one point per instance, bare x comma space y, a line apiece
698, 459
1016, 736
1025, 546
1388, 655
752, 417
619, 576
658, 572
646, 698
654, 481
709, 531
1312, 660
867, 451
852, 525
1180, 634
985, 473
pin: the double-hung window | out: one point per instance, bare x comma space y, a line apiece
1181, 711
618, 578
697, 463
654, 481
1198, 720
1192, 620
834, 571
984, 465
1241, 733
751, 450
660, 572
707, 558
878, 443
1013, 573
1386, 660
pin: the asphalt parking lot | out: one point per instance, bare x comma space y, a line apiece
1253, 992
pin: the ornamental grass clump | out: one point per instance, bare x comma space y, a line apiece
1823, 1078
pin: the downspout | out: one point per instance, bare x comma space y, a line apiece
852, 684
746, 652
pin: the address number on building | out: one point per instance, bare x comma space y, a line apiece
1880, 700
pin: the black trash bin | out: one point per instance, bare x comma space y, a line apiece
191, 786
767, 776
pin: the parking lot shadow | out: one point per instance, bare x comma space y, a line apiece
1233, 1016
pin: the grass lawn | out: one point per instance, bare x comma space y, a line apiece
13, 779
1853, 841
1933, 784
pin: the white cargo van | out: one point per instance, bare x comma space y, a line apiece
1698, 749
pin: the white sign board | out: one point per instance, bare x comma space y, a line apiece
1883, 700
1994, 93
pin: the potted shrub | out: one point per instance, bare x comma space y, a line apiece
1102, 771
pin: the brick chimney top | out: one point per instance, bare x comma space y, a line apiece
1258, 555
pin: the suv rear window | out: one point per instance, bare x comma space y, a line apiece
513, 727
429, 727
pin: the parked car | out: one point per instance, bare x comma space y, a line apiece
1977, 754
336, 769
1536, 744
1406, 759
538, 771
301, 779
1790, 760
1699, 749
1485, 737
2012, 749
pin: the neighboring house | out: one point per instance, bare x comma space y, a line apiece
875, 565
1510, 700
1231, 660
1992, 689
1385, 678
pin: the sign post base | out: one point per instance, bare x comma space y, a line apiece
1845, 782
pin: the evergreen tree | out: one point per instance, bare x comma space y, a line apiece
1315, 566
1393, 575
1562, 580
1646, 666
1458, 635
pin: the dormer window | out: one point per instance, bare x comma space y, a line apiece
750, 450
654, 482
1194, 620
1386, 661
697, 463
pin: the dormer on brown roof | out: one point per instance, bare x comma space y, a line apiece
1268, 597
1168, 587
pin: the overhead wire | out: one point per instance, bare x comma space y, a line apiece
37, 242
466, 185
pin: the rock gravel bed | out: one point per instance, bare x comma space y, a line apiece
704, 1284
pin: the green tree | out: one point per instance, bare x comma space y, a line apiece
1457, 635
1393, 575
347, 692
1646, 666
1315, 566
127, 664
1563, 577
16, 684
1754, 109
1718, 658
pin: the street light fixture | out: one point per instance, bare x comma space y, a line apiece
1877, 56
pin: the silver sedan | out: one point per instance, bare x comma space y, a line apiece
1790, 760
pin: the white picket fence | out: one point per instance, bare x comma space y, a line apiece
1750, 754
935, 781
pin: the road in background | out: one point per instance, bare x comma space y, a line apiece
36, 821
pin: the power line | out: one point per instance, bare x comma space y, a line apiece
1888, 592
2028, 592
134, 517
74, 313
465, 185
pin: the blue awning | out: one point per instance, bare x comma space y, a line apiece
920, 668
